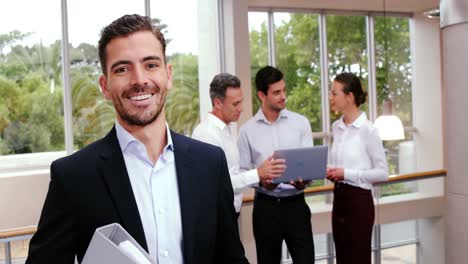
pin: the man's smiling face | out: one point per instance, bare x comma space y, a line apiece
137, 78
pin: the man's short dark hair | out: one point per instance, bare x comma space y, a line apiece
265, 77
220, 83
125, 26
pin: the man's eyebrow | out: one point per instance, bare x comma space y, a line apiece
152, 58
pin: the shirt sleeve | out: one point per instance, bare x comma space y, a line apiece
240, 179
243, 179
307, 140
245, 156
379, 170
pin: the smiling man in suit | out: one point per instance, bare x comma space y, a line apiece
171, 193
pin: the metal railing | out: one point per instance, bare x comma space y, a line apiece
24, 233
377, 247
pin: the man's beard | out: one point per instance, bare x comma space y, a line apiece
141, 117
277, 107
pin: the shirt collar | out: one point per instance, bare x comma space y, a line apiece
357, 123
125, 138
259, 116
215, 121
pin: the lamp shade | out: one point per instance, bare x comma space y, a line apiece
390, 127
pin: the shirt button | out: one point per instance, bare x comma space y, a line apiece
165, 253
161, 211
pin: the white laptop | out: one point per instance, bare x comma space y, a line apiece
303, 163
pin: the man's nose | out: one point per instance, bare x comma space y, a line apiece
283, 95
240, 107
139, 77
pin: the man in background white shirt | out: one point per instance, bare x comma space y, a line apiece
226, 98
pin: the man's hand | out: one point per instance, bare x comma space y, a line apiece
299, 184
335, 174
271, 169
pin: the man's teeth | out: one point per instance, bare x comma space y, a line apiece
140, 97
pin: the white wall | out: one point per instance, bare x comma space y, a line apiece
455, 80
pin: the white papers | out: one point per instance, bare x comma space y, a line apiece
112, 244
131, 251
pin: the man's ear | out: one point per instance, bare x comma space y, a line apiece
261, 95
217, 103
104, 88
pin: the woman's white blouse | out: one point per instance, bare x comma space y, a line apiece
358, 149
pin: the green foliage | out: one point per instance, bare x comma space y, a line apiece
398, 55
347, 45
393, 189
182, 104
297, 43
10, 38
30, 97
34, 121
93, 116
31, 111
258, 58
297, 55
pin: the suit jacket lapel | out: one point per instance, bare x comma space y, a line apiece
114, 172
187, 193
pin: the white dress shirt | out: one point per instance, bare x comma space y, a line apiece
358, 149
259, 138
157, 196
214, 131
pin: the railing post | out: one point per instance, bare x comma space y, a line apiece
7, 253
331, 249
377, 245
377, 242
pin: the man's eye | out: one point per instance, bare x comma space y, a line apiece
152, 65
120, 70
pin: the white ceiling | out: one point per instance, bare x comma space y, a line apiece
412, 6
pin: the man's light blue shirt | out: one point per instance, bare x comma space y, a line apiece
259, 138
157, 196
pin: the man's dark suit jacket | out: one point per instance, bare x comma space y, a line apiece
91, 188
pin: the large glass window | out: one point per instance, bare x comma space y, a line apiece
347, 49
258, 38
296, 52
31, 115
393, 67
93, 115
182, 105
393, 64
298, 57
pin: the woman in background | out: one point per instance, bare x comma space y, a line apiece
357, 161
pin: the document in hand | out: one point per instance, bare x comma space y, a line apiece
303, 163
112, 244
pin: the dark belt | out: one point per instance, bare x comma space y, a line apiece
265, 197
341, 186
